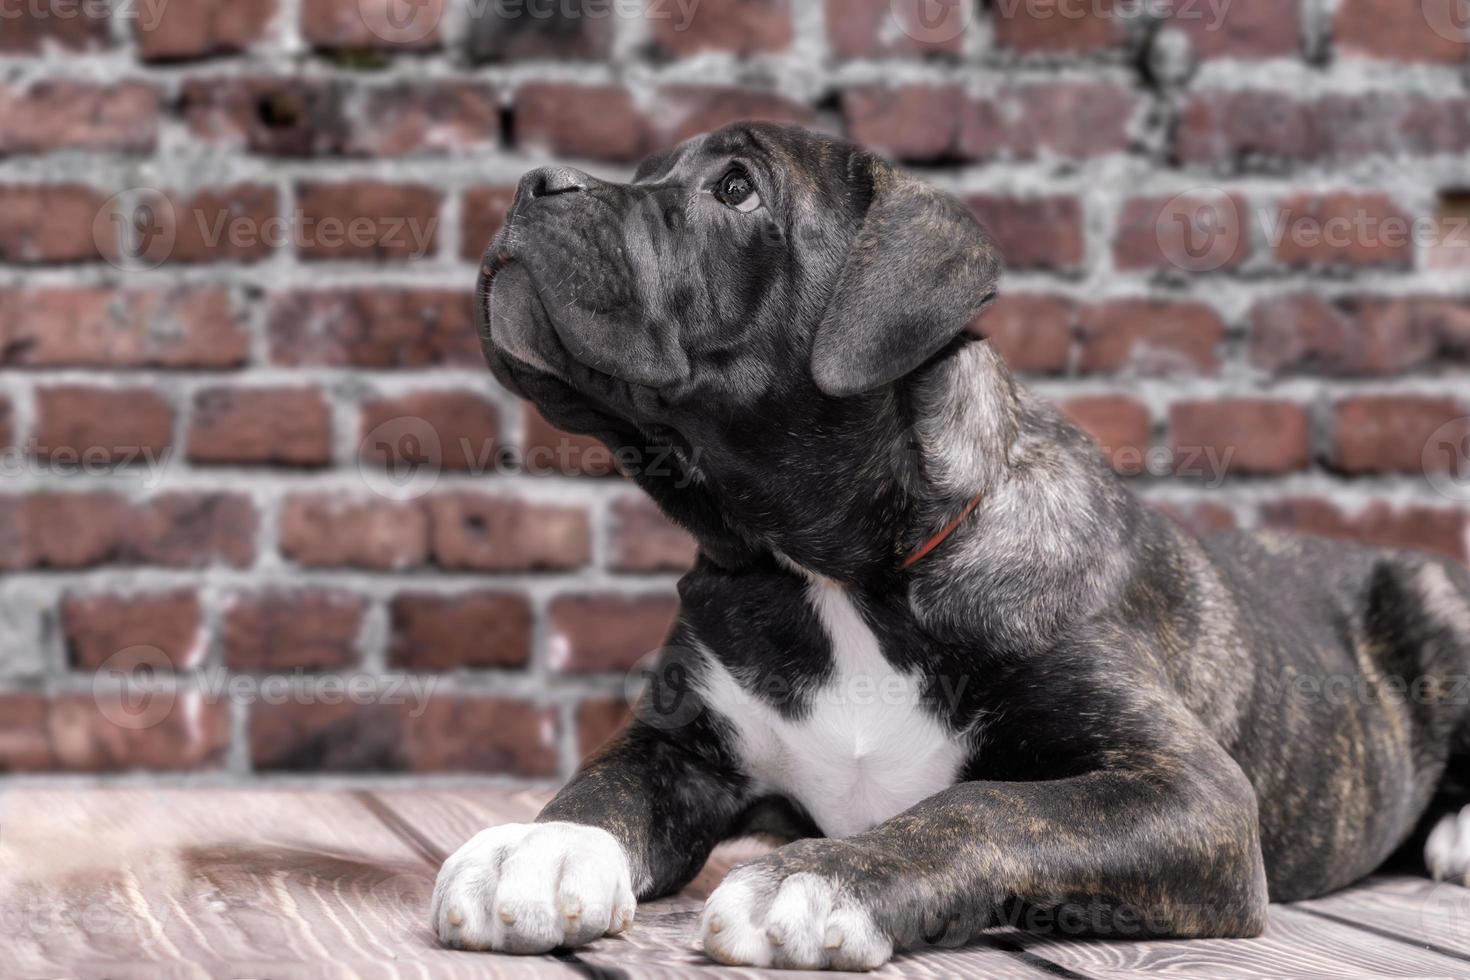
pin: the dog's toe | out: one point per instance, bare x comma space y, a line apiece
528, 888
756, 918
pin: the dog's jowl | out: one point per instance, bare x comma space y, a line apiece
929, 635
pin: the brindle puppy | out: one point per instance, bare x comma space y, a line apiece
1069, 710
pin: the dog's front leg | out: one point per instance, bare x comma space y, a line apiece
638, 820
1160, 845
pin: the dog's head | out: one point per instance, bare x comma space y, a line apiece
751, 286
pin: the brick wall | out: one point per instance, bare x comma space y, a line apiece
238, 239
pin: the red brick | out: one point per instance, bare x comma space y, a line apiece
48, 116
547, 450
1356, 230
470, 531
7, 423
598, 122
427, 119
328, 531
741, 27
365, 25
643, 540
50, 223
1308, 334
116, 425
240, 223
1078, 120
1122, 426
310, 629
1150, 336
448, 632
1034, 232
689, 110
285, 117
905, 28
185, 327
374, 328
100, 629
1032, 332
202, 29
1198, 232
1425, 30
35, 28
1379, 524
1389, 433
287, 426
1246, 125
1437, 324
111, 731
1243, 435
599, 719
191, 530
481, 216
606, 632
1200, 517
1050, 27
499, 32
911, 122
454, 430
367, 220
178, 530
1245, 31
443, 734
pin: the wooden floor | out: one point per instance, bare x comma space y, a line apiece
287, 883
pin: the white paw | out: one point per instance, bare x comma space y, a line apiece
530, 887
1447, 851
800, 922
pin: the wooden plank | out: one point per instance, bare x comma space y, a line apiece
1430, 914
662, 940
219, 882
1296, 944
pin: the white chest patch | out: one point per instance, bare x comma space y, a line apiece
867, 749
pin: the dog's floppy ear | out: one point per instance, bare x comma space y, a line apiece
920, 269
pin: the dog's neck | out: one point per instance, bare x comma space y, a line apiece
862, 486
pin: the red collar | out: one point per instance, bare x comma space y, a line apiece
939, 538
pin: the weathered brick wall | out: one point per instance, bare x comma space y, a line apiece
238, 240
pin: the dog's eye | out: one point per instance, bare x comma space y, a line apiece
735, 190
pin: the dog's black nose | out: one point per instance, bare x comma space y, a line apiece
548, 181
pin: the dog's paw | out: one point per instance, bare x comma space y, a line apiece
528, 888
1447, 851
801, 921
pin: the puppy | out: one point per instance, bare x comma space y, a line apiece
928, 631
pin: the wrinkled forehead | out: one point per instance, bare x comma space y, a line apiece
802, 163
